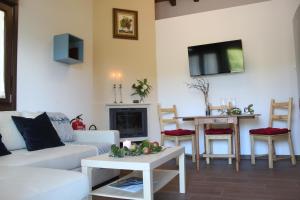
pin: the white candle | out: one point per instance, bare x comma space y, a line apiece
114, 78
119, 78
127, 143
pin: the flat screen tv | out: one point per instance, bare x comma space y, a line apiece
216, 58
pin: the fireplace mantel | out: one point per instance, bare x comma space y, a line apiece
127, 105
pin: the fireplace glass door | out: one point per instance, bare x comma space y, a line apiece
130, 122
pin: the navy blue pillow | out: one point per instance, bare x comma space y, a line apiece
3, 149
38, 133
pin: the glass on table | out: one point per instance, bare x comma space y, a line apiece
223, 106
232, 103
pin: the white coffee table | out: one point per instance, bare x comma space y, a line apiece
143, 166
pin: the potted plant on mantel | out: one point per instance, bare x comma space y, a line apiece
141, 88
202, 85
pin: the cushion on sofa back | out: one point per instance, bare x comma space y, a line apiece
62, 125
10, 134
38, 133
3, 149
60, 122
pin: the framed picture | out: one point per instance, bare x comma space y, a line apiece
125, 24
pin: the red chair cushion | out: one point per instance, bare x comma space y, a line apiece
269, 131
178, 132
218, 131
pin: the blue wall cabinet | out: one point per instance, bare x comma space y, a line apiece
68, 49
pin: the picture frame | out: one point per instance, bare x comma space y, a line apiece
125, 24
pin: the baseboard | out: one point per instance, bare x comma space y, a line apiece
265, 157
258, 157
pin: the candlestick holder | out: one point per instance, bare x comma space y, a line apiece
115, 93
120, 89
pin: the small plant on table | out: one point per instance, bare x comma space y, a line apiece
146, 147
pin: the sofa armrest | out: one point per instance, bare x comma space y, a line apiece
107, 136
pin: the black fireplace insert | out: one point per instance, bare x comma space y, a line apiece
130, 122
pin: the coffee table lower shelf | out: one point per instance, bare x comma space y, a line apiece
160, 179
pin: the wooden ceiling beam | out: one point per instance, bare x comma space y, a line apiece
10, 2
172, 2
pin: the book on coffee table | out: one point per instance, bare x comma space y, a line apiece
131, 184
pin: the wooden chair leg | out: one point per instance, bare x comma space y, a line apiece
230, 149
193, 149
252, 150
293, 159
211, 148
270, 152
162, 139
177, 144
274, 151
232, 145
176, 141
207, 142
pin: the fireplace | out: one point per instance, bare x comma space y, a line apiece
130, 122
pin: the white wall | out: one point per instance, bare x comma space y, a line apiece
296, 22
135, 59
164, 9
46, 85
266, 30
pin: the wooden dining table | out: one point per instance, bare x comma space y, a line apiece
219, 119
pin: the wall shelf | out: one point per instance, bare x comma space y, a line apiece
68, 49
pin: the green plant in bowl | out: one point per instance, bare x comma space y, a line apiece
146, 147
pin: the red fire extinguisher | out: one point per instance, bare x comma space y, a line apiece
77, 123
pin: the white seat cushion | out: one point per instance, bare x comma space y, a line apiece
28, 183
66, 157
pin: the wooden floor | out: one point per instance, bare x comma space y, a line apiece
219, 181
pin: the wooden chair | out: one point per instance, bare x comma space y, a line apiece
217, 133
271, 134
168, 116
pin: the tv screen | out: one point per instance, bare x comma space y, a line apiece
216, 58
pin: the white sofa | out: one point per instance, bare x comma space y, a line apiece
52, 173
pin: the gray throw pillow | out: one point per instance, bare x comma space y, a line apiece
62, 125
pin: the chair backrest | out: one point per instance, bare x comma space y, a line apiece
219, 108
167, 116
281, 117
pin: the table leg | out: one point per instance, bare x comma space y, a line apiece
182, 173
197, 147
236, 133
239, 140
148, 184
204, 138
88, 172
